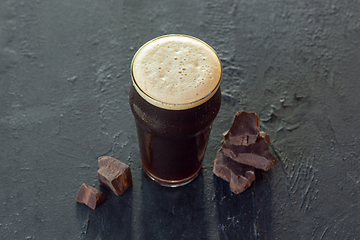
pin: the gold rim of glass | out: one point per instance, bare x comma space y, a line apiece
167, 105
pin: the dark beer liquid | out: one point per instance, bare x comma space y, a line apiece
172, 142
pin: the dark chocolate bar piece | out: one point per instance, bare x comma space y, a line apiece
239, 176
265, 136
90, 196
114, 174
245, 129
257, 154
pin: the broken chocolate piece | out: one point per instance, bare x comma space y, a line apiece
265, 136
244, 129
114, 174
257, 154
244, 148
239, 176
90, 196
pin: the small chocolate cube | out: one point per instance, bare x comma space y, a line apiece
114, 174
90, 196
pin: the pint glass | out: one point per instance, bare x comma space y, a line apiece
175, 97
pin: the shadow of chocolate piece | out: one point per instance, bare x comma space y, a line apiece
111, 220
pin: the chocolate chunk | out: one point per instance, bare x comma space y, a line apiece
257, 154
244, 148
244, 129
239, 176
114, 174
90, 196
265, 136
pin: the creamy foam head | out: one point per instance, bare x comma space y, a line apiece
176, 72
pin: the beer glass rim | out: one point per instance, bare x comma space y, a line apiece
167, 105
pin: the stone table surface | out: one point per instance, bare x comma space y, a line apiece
64, 84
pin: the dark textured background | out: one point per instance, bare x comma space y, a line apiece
64, 82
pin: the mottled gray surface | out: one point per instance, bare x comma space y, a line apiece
64, 82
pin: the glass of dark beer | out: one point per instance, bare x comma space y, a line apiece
175, 97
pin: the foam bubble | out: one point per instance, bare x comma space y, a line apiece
176, 71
